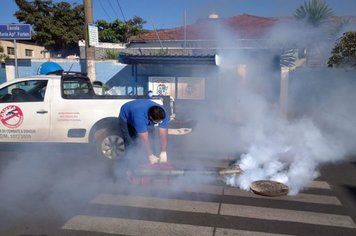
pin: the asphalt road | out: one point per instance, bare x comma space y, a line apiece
63, 190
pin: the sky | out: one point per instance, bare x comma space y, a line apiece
161, 14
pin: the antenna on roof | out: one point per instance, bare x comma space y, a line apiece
154, 28
185, 28
70, 68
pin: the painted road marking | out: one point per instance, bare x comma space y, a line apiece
203, 188
141, 227
235, 232
158, 203
319, 184
231, 191
287, 215
134, 227
226, 209
301, 197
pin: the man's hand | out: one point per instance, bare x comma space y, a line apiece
153, 159
163, 157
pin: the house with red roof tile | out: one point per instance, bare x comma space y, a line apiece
185, 62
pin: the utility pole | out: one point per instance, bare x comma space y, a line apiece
89, 50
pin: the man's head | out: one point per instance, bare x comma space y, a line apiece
156, 114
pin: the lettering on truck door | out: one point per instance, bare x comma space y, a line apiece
69, 111
24, 113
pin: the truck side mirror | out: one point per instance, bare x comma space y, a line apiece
98, 83
99, 88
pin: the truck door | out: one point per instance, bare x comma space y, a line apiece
24, 112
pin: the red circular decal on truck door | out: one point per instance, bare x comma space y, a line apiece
11, 116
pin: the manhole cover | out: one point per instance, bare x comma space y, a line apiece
269, 188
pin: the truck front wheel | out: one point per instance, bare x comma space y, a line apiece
109, 144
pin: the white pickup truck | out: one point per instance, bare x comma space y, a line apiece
61, 109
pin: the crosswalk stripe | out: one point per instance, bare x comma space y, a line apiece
133, 227
158, 203
287, 215
142, 227
226, 209
207, 189
301, 197
231, 191
318, 184
235, 232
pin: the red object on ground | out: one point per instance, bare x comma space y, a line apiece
149, 179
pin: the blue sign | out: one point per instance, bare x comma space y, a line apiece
15, 31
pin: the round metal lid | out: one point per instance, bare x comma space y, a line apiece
269, 188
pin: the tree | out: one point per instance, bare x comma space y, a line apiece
118, 31
288, 57
316, 17
57, 26
345, 23
314, 12
344, 52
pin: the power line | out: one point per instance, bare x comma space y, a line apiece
106, 13
113, 9
122, 13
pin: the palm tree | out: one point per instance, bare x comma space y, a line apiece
314, 12
288, 57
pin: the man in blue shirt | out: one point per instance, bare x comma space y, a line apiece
136, 118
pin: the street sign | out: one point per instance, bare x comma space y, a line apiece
93, 35
15, 32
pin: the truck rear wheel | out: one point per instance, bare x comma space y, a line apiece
109, 144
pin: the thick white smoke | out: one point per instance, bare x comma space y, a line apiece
287, 152
289, 149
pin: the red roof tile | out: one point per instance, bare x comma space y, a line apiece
245, 26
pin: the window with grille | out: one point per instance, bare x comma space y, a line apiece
10, 51
28, 52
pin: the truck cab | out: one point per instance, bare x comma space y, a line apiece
63, 108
